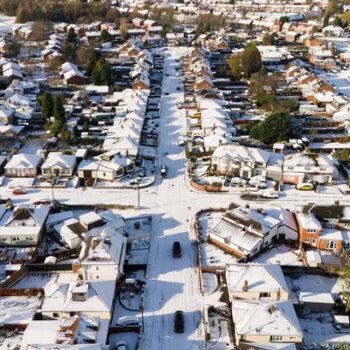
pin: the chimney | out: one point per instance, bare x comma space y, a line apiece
272, 309
245, 286
279, 294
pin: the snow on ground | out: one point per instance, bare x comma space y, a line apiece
320, 330
213, 256
219, 333
32, 146
120, 312
281, 255
129, 337
210, 282
314, 284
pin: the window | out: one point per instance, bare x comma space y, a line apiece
307, 168
307, 240
331, 244
55, 314
276, 338
311, 230
265, 295
290, 168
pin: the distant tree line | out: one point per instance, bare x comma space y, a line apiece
71, 11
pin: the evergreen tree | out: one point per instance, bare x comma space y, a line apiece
46, 105
72, 36
58, 109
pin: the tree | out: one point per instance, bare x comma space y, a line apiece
68, 51
342, 154
269, 39
13, 48
113, 15
46, 102
40, 30
209, 23
234, 63
58, 109
251, 61
105, 36
21, 14
87, 57
102, 73
72, 35
275, 128
123, 30
55, 63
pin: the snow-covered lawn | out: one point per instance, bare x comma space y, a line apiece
219, 333
319, 330
213, 256
210, 282
281, 255
130, 338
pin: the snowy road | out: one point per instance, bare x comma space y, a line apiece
172, 283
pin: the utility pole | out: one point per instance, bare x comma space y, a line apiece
138, 194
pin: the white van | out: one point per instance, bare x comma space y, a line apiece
181, 141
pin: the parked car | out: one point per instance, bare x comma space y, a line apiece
176, 249
44, 201
179, 322
237, 181
19, 191
269, 194
181, 141
163, 170
305, 186
122, 345
128, 321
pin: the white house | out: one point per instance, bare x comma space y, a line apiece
304, 167
266, 322
240, 161
23, 226
256, 282
103, 256
23, 165
59, 164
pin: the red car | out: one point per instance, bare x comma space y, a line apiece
19, 191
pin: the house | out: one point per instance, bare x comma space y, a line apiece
265, 322
332, 30
266, 346
244, 231
23, 226
23, 165
71, 232
105, 170
256, 282
59, 164
240, 161
72, 74
308, 167
90, 298
324, 227
69, 332
103, 255
6, 114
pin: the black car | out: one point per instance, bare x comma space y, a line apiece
176, 249
179, 322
